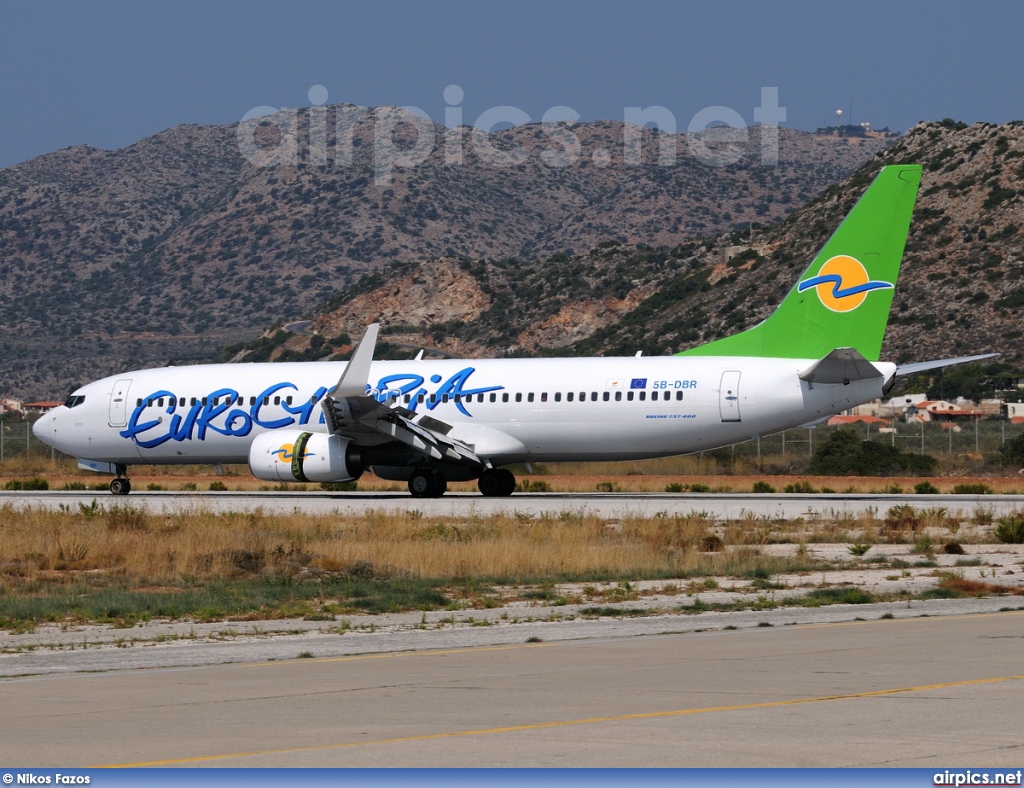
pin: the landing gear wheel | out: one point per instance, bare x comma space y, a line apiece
120, 486
497, 482
427, 484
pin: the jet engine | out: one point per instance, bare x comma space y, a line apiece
298, 456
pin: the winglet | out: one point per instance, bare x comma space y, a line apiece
357, 374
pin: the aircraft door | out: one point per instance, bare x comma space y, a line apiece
119, 403
729, 395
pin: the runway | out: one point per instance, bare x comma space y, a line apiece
916, 691
718, 505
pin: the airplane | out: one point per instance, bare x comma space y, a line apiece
431, 422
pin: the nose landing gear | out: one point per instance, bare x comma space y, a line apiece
122, 485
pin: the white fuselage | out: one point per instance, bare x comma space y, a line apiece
509, 410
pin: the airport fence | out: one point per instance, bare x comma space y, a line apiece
18, 442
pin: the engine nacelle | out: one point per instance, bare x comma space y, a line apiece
299, 456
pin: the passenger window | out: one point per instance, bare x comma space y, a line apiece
643, 395
654, 396
444, 398
593, 396
679, 395
138, 402
494, 397
618, 396
504, 397
252, 400
181, 402
266, 401
519, 396
629, 395
277, 400
433, 398
558, 396
420, 398
408, 398
204, 402
458, 397
605, 396
160, 402
543, 396
288, 399
529, 397
568, 397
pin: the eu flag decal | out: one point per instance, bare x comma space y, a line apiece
638, 383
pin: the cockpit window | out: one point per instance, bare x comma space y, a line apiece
74, 401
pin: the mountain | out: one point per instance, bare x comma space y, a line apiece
171, 247
961, 288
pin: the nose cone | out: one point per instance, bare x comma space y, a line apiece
44, 427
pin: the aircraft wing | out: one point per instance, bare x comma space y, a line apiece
350, 411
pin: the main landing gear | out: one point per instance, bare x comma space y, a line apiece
493, 482
122, 485
427, 484
497, 482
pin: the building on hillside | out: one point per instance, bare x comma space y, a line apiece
844, 419
990, 408
10, 405
941, 410
34, 408
1015, 412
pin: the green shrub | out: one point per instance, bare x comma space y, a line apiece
972, 489
699, 488
844, 453
763, 487
1011, 453
1010, 530
674, 487
799, 487
217, 486
926, 488
35, 483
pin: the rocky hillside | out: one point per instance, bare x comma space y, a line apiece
961, 289
173, 246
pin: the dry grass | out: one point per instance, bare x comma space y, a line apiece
650, 476
120, 540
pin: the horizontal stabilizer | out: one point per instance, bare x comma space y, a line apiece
842, 365
922, 366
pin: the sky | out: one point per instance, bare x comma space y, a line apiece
110, 73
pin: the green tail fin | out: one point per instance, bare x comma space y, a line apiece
843, 298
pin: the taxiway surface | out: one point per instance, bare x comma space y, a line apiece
914, 691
